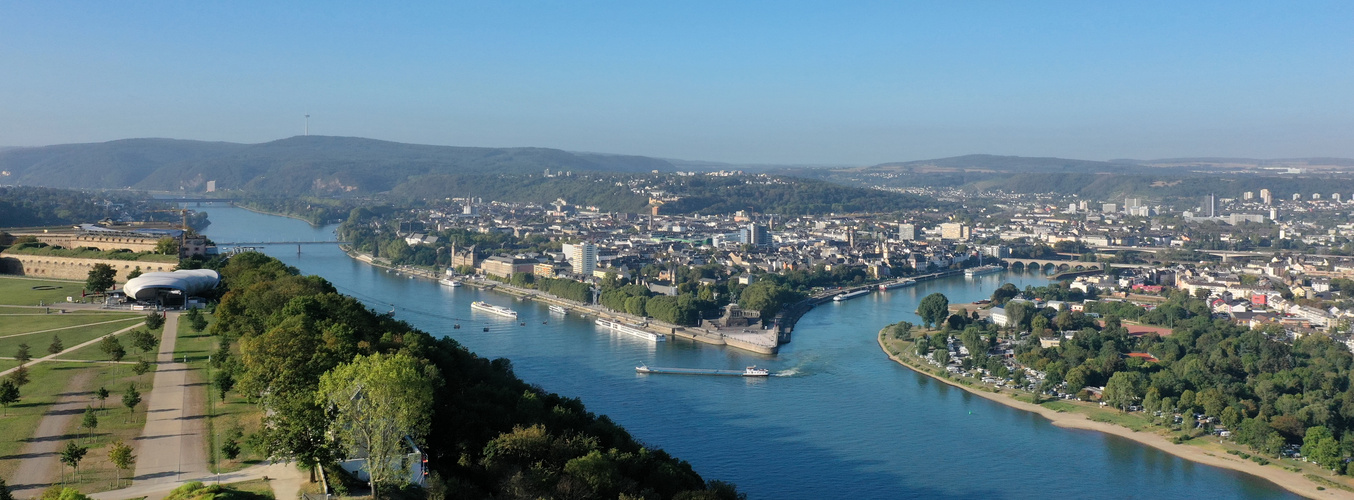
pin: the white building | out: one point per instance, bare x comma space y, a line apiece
582, 256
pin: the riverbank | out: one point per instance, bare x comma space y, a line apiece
278, 214
1295, 482
749, 342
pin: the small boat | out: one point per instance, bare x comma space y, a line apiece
558, 309
981, 270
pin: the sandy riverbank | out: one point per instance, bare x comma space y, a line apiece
1291, 481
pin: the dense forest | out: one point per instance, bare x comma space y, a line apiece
1269, 391
491, 434
36, 206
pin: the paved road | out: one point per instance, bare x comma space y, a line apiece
172, 445
40, 461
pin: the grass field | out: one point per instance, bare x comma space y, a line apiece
38, 343
48, 381
16, 291
14, 325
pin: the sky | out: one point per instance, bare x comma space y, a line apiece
843, 83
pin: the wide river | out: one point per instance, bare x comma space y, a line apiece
840, 420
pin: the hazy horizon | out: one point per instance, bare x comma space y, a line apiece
748, 83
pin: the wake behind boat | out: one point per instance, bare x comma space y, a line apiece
492, 309
751, 371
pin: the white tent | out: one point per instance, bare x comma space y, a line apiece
184, 283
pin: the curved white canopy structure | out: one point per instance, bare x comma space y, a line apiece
185, 283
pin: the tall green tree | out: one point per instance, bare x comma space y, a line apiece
111, 346
56, 345
131, 398
376, 400
9, 394
22, 355
100, 278
1124, 389
71, 456
90, 421
933, 309
123, 459
102, 394
1320, 446
19, 376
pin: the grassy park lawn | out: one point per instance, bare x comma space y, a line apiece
21, 291
6, 364
48, 381
38, 342
14, 325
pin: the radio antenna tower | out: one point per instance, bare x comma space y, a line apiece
307, 125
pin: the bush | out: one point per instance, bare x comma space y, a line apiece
154, 320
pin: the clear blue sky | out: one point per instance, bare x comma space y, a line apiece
769, 82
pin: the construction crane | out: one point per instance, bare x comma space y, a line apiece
183, 226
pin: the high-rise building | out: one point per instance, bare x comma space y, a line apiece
1335, 196
907, 231
1131, 203
1248, 196
582, 256
759, 235
1297, 196
211, 186
1210, 206
1109, 207
1266, 197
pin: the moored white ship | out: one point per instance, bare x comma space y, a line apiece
981, 270
617, 326
493, 309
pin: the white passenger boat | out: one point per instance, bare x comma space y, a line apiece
636, 331
981, 270
558, 309
492, 309
450, 282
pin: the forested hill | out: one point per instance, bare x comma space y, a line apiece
297, 165
286, 337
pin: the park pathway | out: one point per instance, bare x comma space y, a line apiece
173, 443
53, 357
40, 461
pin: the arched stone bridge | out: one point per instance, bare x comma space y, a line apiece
1057, 265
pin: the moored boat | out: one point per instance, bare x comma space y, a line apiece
981, 270
636, 331
851, 295
492, 309
558, 309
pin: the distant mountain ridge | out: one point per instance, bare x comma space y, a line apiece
296, 165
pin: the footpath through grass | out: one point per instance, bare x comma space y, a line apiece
39, 342
48, 381
234, 412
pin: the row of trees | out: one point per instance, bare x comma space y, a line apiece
324, 366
